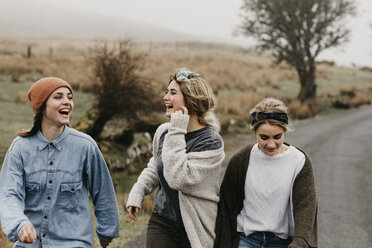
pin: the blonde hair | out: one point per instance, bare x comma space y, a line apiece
268, 105
199, 99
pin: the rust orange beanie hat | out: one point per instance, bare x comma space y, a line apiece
43, 88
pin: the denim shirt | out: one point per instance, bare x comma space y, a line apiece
46, 183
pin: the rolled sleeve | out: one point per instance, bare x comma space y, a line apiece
104, 199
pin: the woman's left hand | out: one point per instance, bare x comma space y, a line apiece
104, 244
182, 111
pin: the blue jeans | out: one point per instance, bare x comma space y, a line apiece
263, 240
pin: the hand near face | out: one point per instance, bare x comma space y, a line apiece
182, 111
27, 234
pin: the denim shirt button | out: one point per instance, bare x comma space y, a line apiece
51, 162
45, 217
48, 198
50, 181
44, 235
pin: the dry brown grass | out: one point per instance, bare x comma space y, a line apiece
302, 110
222, 69
49, 58
235, 74
234, 108
239, 77
4, 242
21, 97
232, 69
351, 97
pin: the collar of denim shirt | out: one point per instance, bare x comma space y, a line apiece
44, 142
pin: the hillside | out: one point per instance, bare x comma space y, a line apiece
240, 78
23, 18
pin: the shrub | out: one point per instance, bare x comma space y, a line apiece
118, 84
303, 110
351, 97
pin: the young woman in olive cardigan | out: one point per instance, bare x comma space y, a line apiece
268, 196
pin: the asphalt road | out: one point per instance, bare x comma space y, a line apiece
341, 151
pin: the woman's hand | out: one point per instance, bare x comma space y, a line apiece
104, 244
182, 111
132, 212
27, 234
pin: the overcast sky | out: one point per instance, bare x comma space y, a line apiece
218, 18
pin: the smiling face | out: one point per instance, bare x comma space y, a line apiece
270, 139
173, 98
58, 108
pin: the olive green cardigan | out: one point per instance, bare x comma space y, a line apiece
232, 196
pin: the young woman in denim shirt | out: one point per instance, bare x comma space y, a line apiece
47, 174
185, 168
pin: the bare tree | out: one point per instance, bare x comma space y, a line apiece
119, 87
296, 31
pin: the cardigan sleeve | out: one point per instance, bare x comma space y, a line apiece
147, 181
305, 208
146, 184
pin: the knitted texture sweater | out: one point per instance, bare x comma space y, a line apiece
232, 196
195, 175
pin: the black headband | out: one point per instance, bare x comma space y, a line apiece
259, 116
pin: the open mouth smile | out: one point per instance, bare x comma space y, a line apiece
64, 112
168, 106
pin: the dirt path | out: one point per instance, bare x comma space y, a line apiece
341, 150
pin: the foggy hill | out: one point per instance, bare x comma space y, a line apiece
29, 19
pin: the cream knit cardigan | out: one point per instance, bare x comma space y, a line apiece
195, 175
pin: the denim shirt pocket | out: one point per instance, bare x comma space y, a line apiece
33, 194
70, 195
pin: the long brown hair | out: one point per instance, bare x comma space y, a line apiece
36, 125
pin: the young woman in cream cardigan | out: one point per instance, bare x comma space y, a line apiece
185, 168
